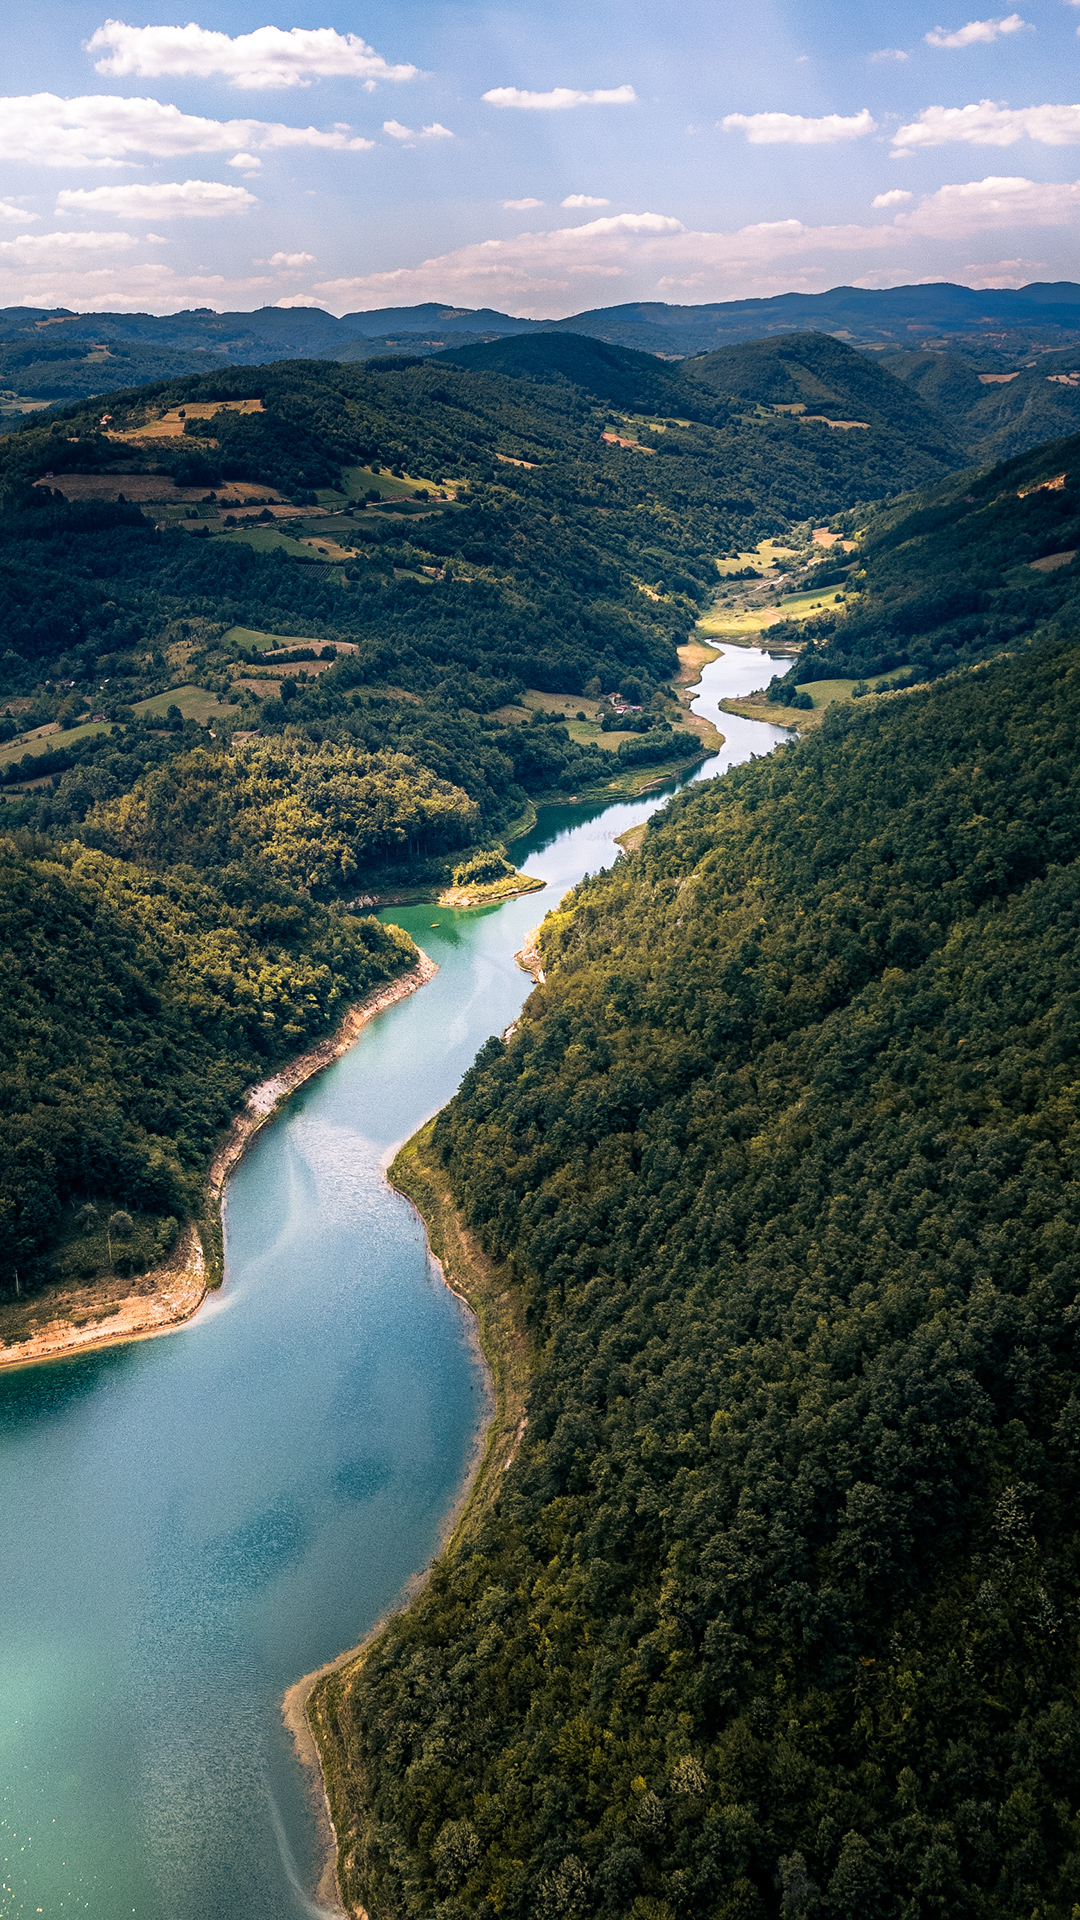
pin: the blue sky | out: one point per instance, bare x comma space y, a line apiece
362, 156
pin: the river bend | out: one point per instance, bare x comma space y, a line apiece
192, 1522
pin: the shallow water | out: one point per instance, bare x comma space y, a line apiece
192, 1522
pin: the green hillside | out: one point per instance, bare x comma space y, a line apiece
139, 1005
957, 573
825, 377
452, 534
773, 1612
995, 407
755, 394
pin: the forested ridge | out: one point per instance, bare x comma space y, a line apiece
138, 1005
776, 1608
952, 574
565, 542
530, 552
213, 871
1018, 337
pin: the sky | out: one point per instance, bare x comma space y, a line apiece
542, 160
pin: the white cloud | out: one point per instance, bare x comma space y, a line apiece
299, 300
396, 131
979, 206
583, 200
560, 97
895, 198
101, 130
887, 53
269, 57
1006, 273
9, 211
990, 124
629, 223
520, 206
246, 162
436, 132
173, 200
35, 246
782, 129
651, 256
130, 286
976, 32
291, 259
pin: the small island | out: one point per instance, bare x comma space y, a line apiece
485, 879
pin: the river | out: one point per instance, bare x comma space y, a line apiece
192, 1522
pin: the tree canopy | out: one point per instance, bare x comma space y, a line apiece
774, 1609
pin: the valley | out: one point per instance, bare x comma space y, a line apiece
750, 675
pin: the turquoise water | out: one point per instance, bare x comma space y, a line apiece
192, 1522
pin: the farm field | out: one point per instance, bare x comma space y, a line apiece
195, 703
727, 623
266, 540
823, 693
168, 426
567, 706
765, 554
251, 637
42, 741
360, 480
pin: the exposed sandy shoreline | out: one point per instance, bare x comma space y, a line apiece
530, 959
180, 1287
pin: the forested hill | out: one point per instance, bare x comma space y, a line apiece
453, 537
534, 548
963, 398
810, 375
997, 407
139, 1003
775, 1611
957, 572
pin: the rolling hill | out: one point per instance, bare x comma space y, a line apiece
811, 374
995, 407
56, 356
957, 572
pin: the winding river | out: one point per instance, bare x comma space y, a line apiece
192, 1522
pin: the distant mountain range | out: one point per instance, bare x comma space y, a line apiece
994, 366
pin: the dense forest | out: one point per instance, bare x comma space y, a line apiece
191, 881
775, 1610
998, 407
955, 573
564, 540
139, 1004
528, 551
